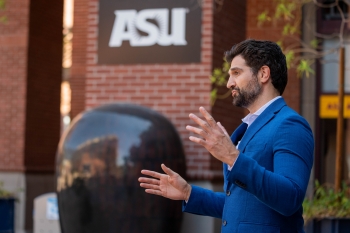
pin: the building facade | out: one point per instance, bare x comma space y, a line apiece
30, 80
168, 71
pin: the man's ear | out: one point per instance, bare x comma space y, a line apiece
264, 74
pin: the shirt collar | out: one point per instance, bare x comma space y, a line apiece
251, 117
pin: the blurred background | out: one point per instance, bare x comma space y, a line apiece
60, 58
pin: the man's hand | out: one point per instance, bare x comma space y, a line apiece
170, 185
213, 137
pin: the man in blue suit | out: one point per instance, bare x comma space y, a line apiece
267, 160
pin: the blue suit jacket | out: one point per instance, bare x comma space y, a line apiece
266, 187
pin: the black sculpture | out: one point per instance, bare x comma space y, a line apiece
99, 160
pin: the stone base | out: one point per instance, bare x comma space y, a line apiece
26, 187
15, 182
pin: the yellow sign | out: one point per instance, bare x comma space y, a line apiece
329, 106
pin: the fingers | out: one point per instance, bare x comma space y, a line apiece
200, 122
155, 192
157, 175
148, 181
223, 129
206, 125
196, 130
151, 173
167, 170
197, 140
149, 186
208, 117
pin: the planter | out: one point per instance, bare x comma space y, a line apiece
328, 225
7, 210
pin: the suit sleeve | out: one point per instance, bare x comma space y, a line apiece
204, 202
284, 188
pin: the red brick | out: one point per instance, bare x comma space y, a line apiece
173, 89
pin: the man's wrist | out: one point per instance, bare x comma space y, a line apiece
233, 157
188, 192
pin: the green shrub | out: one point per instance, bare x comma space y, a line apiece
327, 203
4, 193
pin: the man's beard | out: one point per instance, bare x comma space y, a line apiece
246, 96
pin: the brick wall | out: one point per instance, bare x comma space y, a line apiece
271, 31
79, 44
30, 77
13, 67
44, 77
175, 90
228, 29
42, 112
172, 89
30, 81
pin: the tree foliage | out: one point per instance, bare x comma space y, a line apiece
218, 79
289, 14
2, 4
3, 18
300, 55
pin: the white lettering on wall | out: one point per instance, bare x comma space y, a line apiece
154, 23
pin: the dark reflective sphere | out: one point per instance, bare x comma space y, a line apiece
98, 164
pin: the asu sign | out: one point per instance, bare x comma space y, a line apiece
149, 31
128, 23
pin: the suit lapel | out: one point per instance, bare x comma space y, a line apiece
238, 133
235, 138
263, 119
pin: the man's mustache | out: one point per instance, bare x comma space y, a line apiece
235, 89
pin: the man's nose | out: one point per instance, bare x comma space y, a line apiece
230, 83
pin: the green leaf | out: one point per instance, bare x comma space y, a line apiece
2, 4
217, 72
314, 43
218, 78
280, 44
293, 30
212, 79
213, 96
291, 6
225, 67
289, 58
263, 17
327, 203
286, 29
304, 67
4, 193
284, 10
3, 19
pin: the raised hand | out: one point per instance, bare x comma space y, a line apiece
213, 137
170, 185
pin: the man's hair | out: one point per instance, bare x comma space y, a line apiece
256, 54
